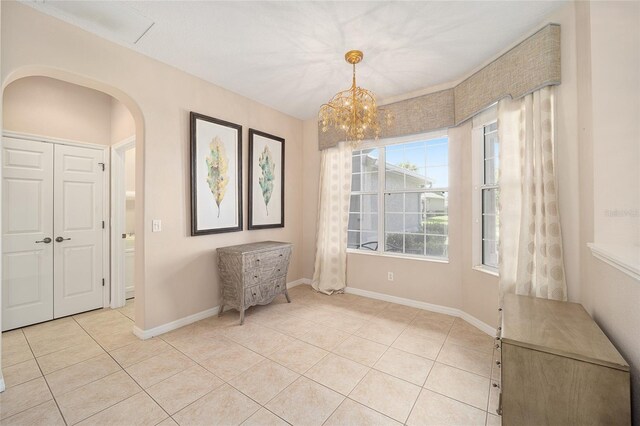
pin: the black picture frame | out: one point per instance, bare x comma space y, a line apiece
256, 218
207, 126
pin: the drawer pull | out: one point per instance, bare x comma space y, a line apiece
498, 338
253, 294
499, 309
255, 276
497, 346
278, 270
280, 254
257, 260
495, 385
278, 286
498, 363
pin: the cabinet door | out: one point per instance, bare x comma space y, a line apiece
78, 215
27, 222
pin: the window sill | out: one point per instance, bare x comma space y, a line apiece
486, 270
398, 256
622, 257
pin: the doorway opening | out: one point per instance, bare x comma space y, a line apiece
58, 250
123, 208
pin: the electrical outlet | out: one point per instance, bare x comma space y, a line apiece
390, 276
156, 225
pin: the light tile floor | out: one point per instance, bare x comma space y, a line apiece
333, 360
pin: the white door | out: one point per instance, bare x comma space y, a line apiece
78, 216
27, 232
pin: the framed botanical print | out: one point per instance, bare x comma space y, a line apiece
266, 180
216, 175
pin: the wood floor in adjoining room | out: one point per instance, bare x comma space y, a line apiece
332, 360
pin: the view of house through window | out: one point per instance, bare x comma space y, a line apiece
490, 195
399, 199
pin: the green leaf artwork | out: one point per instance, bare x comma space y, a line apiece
217, 170
268, 176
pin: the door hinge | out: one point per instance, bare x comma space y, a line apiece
103, 282
101, 165
103, 224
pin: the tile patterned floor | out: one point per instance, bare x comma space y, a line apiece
332, 360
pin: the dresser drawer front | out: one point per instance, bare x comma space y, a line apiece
262, 275
264, 293
272, 259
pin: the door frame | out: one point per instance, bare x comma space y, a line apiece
118, 207
106, 272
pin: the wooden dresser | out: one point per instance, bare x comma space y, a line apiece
253, 274
558, 367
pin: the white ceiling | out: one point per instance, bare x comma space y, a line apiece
290, 55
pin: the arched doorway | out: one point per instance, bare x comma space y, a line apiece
85, 86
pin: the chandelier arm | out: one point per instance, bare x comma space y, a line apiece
353, 111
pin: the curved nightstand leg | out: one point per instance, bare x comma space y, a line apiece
221, 311
286, 294
241, 316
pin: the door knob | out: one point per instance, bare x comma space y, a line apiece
46, 241
60, 239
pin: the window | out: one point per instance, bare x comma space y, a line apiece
489, 195
402, 207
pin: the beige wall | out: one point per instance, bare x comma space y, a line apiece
422, 280
457, 284
310, 185
176, 274
2, 386
49, 107
130, 186
609, 39
615, 67
179, 275
478, 289
122, 124
130, 170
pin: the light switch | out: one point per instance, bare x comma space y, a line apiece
156, 225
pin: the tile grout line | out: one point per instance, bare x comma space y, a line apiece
53, 397
293, 340
425, 380
422, 388
447, 396
367, 373
373, 368
224, 382
303, 374
122, 369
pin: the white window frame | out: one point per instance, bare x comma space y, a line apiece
481, 120
380, 144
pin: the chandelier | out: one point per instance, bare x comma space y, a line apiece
352, 111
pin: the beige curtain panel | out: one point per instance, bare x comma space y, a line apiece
530, 242
330, 272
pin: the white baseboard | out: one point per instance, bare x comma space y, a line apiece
301, 281
1, 383
426, 306
173, 325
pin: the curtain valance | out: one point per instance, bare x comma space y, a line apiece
530, 65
